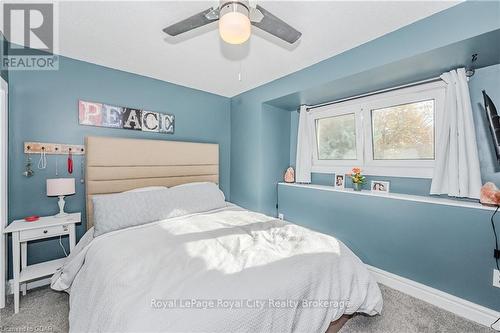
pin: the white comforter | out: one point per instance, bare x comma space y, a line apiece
227, 270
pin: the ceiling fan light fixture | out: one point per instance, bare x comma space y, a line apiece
234, 23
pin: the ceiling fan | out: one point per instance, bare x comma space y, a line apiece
235, 21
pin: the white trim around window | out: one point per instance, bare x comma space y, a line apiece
340, 110
362, 109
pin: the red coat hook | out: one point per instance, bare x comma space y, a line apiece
70, 162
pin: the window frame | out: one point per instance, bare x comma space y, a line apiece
362, 108
328, 112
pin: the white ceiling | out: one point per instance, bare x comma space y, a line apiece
128, 36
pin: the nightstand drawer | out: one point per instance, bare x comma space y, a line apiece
43, 232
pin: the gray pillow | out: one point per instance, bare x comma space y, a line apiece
122, 210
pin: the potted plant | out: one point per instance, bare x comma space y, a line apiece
357, 179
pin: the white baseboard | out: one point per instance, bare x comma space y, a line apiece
31, 285
456, 305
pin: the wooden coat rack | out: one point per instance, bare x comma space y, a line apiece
53, 148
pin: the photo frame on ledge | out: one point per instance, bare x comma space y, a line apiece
378, 186
339, 182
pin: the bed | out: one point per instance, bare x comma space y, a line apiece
192, 262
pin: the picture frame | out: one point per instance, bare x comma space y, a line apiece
339, 182
379, 186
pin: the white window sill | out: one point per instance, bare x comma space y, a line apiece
397, 196
379, 171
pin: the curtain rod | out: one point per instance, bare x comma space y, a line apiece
309, 107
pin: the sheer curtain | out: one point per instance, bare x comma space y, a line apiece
303, 162
456, 172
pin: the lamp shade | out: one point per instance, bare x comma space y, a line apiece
234, 24
60, 186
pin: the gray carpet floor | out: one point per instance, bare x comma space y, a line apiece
45, 310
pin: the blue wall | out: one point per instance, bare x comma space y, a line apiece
444, 247
487, 78
448, 248
276, 143
420, 50
44, 107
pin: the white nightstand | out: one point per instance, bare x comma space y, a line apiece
23, 232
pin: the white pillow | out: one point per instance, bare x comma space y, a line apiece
147, 188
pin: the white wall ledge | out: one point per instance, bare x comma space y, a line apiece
397, 196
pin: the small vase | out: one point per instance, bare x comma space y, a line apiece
357, 186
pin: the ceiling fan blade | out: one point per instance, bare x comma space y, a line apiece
198, 20
276, 26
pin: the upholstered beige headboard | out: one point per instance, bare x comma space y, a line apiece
115, 165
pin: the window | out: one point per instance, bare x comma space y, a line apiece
339, 136
388, 134
404, 132
336, 137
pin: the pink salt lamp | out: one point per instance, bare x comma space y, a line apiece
490, 195
289, 176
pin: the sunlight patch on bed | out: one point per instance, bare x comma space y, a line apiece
229, 263
233, 242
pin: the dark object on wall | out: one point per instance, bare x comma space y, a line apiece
104, 115
494, 120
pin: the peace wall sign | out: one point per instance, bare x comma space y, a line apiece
104, 115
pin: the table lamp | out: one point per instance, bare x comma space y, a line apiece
59, 187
